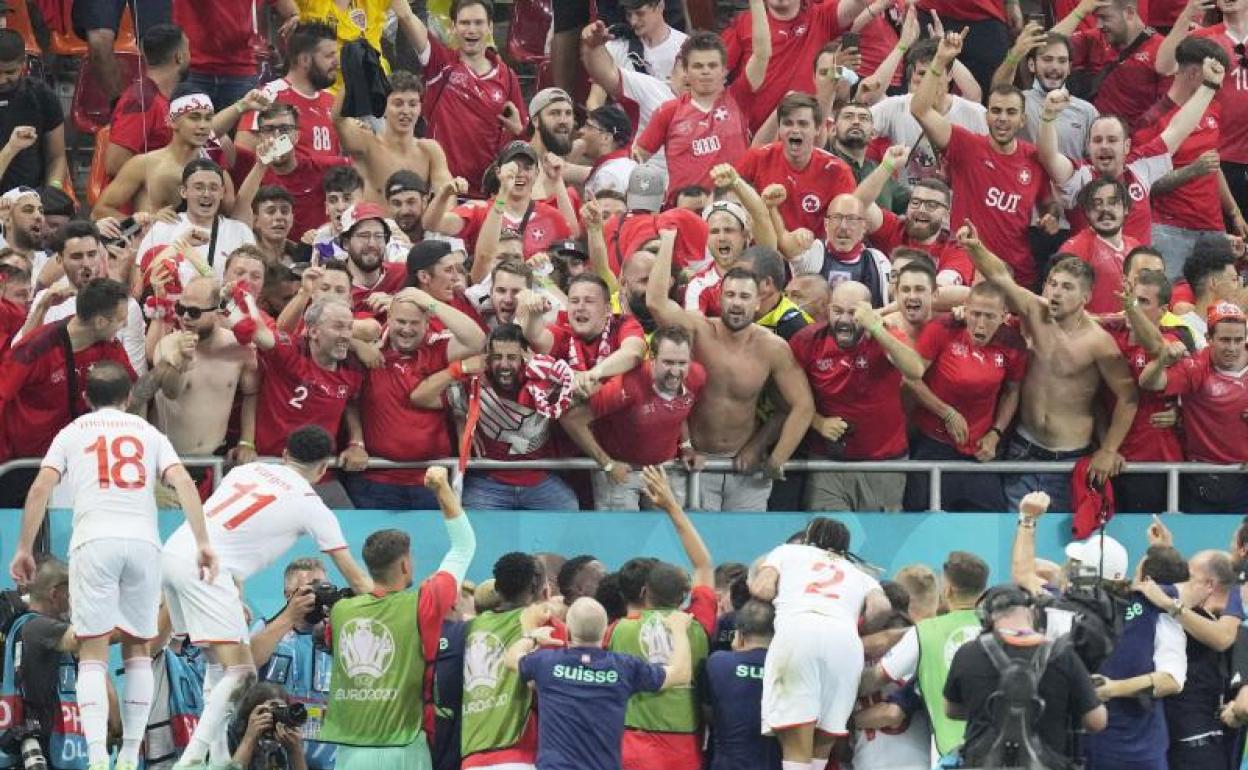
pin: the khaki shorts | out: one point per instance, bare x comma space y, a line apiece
855, 491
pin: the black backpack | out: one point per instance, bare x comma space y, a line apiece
1098, 617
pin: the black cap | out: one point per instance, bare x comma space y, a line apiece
614, 121
569, 248
423, 256
632, 5
516, 149
406, 181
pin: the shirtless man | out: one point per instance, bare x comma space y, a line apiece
739, 358
396, 148
150, 182
1070, 357
196, 373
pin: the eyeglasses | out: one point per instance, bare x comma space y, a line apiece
930, 206
191, 312
288, 128
380, 237
844, 219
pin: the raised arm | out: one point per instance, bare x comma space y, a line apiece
760, 39
1165, 63
660, 493
411, 26
726, 177
458, 528
1033, 37
355, 139
872, 87
596, 243
1188, 117
1154, 376
1060, 167
1023, 553
664, 309
901, 355
869, 189
467, 337
995, 271
1071, 22
439, 217
598, 63
924, 105
791, 244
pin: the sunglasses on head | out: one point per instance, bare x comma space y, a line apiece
190, 312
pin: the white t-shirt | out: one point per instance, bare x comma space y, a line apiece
111, 462
612, 175
659, 59
648, 93
815, 581
1146, 171
256, 515
132, 336
230, 235
892, 119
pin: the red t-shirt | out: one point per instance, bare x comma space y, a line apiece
997, 192
295, 391
795, 45
626, 233
460, 303
394, 429
1232, 97
304, 185
948, 255
1106, 262
965, 10
582, 355
694, 140
627, 408
222, 34
877, 41
34, 395
810, 190
1139, 224
317, 135
393, 276
1213, 401
859, 385
544, 227
508, 430
463, 109
967, 377
141, 119
12, 317
1133, 86
1195, 205
1144, 442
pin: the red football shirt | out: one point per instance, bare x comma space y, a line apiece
967, 377
795, 45
393, 276
463, 109
1144, 441
12, 317
34, 391
295, 391
317, 135
696, 140
1213, 401
810, 190
1133, 86
394, 429
508, 430
544, 227
628, 407
948, 255
997, 192
965, 10
222, 34
1139, 224
141, 118
1232, 97
304, 185
1106, 262
859, 385
582, 355
1195, 205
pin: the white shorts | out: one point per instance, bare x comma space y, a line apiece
114, 583
811, 674
206, 612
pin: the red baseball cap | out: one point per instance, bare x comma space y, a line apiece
1224, 311
362, 211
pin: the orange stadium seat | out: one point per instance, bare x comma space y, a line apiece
530, 25
97, 177
67, 43
17, 18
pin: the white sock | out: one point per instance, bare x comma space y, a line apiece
136, 705
217, 709
818, 764
787, 765
93, 708
212, 674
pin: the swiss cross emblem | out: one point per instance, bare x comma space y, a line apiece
823, 364
860, 362
537, 233
999, 360
958, 349
799, 30
1024, 176
342, 391
1136, 191
811, 203
1210, 122
1217, 389
721, 114
1140, 361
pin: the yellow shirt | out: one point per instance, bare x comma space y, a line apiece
361, 18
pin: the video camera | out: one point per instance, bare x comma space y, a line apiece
327, 595
22, 741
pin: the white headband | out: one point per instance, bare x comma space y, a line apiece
189, 103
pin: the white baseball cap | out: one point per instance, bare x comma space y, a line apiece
1103, 552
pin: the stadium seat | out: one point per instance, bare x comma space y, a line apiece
530, 26
97, 177
67, 43
17, 18
90, 108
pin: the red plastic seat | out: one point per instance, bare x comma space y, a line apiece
17, 18
67, 43
530, 25
91, 109
97, 177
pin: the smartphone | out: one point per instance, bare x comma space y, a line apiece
280, 147
850, 40
1037, 18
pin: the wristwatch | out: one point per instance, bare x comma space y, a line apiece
610, 466
1175, 609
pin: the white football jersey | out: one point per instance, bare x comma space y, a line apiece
256, 515
814, 580
110, 462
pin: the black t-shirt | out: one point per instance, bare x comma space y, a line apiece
1194, 712
39, 663
1065, 687
31, 103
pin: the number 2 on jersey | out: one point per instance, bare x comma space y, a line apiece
114, 473
831, 576
241, 491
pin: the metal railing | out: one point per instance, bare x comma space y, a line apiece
934, 468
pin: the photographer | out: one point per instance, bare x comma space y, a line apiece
265, 733
286, 654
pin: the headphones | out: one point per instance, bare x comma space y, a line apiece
1001, 598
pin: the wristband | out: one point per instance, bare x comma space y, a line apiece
996, 430
1026, 522
358, 443
888, 165
1079, 16
935, 70
57, 183
499, 205
950, 412
1047, 119
903, 47
1010, 58
245, 331
876, 327
686, 444
1213, 86
456, 370
245, 443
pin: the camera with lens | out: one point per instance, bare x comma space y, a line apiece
327, 595
289, 714
22, 741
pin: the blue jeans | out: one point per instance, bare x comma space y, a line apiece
377, 496
1176, 245
223, 90
482, 493
1057, 485
959, 491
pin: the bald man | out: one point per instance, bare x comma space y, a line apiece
843, 256
812, 293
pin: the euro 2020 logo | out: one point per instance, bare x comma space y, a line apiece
367, 649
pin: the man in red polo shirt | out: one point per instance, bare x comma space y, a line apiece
967, 399
855, 365
996, 179
223, 41
639, 419
312, 59
595, 342
435, 268
706, 126
1214, 387
394, 427
141, 117
795, 32
1105, 203
811, 177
